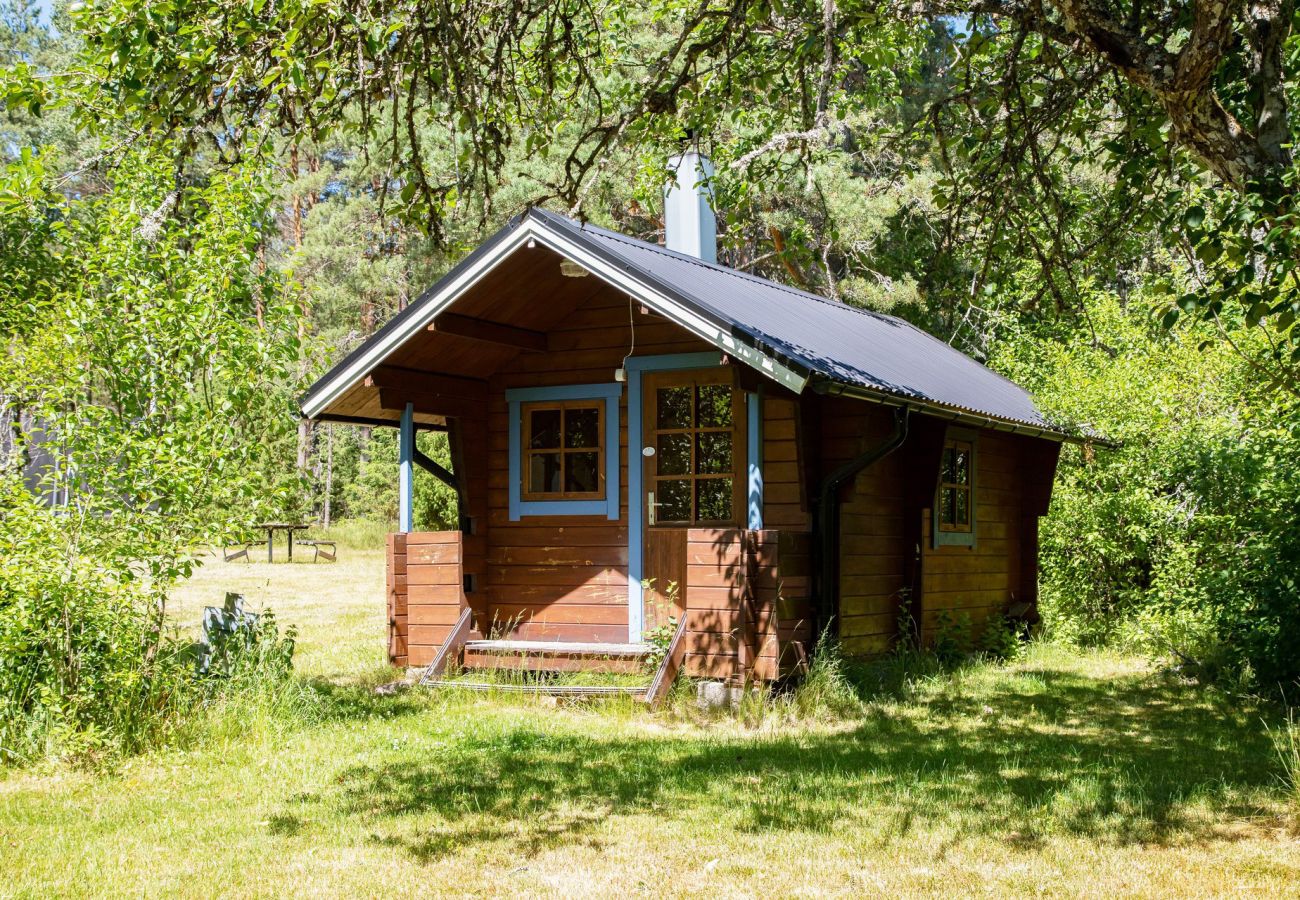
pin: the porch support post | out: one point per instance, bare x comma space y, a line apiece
754, 431
405, 471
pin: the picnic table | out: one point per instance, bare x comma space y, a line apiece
272, 527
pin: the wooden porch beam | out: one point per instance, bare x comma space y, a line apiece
437, 471
489, 332
440, 425
432, 383
431, 404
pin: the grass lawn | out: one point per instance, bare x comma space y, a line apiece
1062, 774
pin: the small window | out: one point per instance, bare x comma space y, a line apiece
954, 514
563, 451
955, 486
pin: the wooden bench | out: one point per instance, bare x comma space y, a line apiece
241, 551
327, 550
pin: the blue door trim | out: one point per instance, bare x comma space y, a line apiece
635, 366
608, 507
405, 471
754, 431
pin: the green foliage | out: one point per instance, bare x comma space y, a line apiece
1180, 541
659, 639
1002, 639
74, 676
372, 495
953, 641
29, 267
151, 378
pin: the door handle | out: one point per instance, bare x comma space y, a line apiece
650, 507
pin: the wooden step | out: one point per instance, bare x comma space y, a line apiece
550, 690
553, 656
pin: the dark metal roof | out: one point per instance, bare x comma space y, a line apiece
842, 349
843, 344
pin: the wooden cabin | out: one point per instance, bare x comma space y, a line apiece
640, 436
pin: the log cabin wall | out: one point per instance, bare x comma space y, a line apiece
396, 596
873, 544
982, 580
888, 565
565, 577
785, 490
468, 442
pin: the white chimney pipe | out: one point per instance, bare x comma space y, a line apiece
689, 224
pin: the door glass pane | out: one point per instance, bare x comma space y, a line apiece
544, 473
581, 427
713, 496
674, 498
713, 452
544, 429
582, 473
673, 454
673, 407
714, 406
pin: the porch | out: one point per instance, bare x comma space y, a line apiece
742, 609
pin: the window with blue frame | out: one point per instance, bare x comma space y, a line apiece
564, 450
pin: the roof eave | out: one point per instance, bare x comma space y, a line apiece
964, 416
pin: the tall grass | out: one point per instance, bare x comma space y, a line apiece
356, 534
1286, 743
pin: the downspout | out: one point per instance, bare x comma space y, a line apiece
826, 527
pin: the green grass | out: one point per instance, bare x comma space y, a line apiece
1060, 774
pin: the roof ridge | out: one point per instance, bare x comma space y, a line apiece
726, 270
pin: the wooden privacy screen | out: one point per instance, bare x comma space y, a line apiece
396, 593
425, 593
748, 606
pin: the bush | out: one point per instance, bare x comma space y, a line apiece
140, 401
87, 669
1181, 542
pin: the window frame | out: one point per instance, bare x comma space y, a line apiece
607, 502
526, 411
947, 535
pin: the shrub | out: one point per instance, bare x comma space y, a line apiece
1001, 638
151, 384
1181, 542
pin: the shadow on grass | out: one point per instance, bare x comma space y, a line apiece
1121, 761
